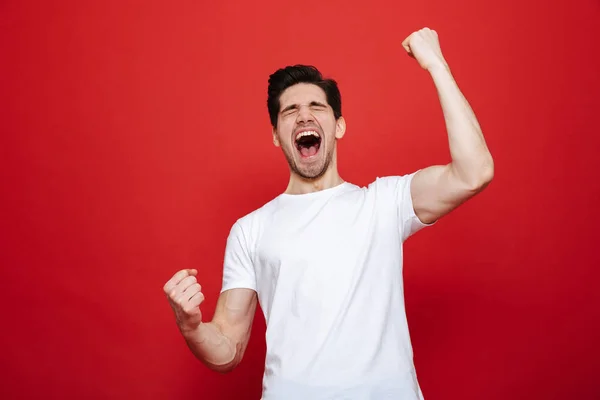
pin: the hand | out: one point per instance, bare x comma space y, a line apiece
424, 46
185, 296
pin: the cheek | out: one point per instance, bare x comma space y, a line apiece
285, 129
329, 128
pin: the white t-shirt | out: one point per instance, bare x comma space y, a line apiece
327, 268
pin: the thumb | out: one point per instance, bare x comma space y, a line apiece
406, 45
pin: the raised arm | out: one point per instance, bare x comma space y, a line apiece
439, 189
220, 344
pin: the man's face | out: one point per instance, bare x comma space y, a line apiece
307, 130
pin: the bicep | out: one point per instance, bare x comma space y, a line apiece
235, 312
436, 191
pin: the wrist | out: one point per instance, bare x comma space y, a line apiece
441, 74
192, 330
439, 68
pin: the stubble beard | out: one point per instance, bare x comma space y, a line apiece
312, 173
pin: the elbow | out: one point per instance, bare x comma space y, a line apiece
477, 177
484, 175
222, 369
235, 355
488, 170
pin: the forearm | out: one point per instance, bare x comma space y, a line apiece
471, 160
212, 347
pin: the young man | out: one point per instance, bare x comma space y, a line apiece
324, 258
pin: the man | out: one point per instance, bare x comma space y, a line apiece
324, 258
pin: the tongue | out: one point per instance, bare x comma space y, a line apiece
308, 151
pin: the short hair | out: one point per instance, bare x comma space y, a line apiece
283, 78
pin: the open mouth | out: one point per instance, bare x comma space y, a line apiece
308, 143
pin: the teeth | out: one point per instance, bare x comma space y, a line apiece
307, 133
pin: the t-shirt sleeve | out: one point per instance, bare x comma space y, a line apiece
238, 269
397, 190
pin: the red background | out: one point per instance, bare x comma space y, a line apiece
135, 133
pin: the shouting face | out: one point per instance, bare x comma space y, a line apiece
307, 130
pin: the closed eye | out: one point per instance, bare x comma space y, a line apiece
289, 110
292, 108
315, 105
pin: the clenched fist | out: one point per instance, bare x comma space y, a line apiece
424, 46
184, 294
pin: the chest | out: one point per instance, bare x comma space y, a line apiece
324, 244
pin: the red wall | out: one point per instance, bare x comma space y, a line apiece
134, 134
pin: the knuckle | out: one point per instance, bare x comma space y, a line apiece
181, 275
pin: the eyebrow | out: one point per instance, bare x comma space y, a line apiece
295, 106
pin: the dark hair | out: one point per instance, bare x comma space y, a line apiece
283, 78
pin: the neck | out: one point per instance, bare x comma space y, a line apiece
300, 185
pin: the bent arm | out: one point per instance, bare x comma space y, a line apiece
221, 343
439, 189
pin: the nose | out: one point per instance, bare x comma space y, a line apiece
304, 114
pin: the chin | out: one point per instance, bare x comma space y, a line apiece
311, 172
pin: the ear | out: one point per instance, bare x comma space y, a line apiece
275, 138
340, 128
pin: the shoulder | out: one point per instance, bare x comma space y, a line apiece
393, 185
251, 224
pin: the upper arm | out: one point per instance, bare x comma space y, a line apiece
437, 190
236, 305
238, 266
